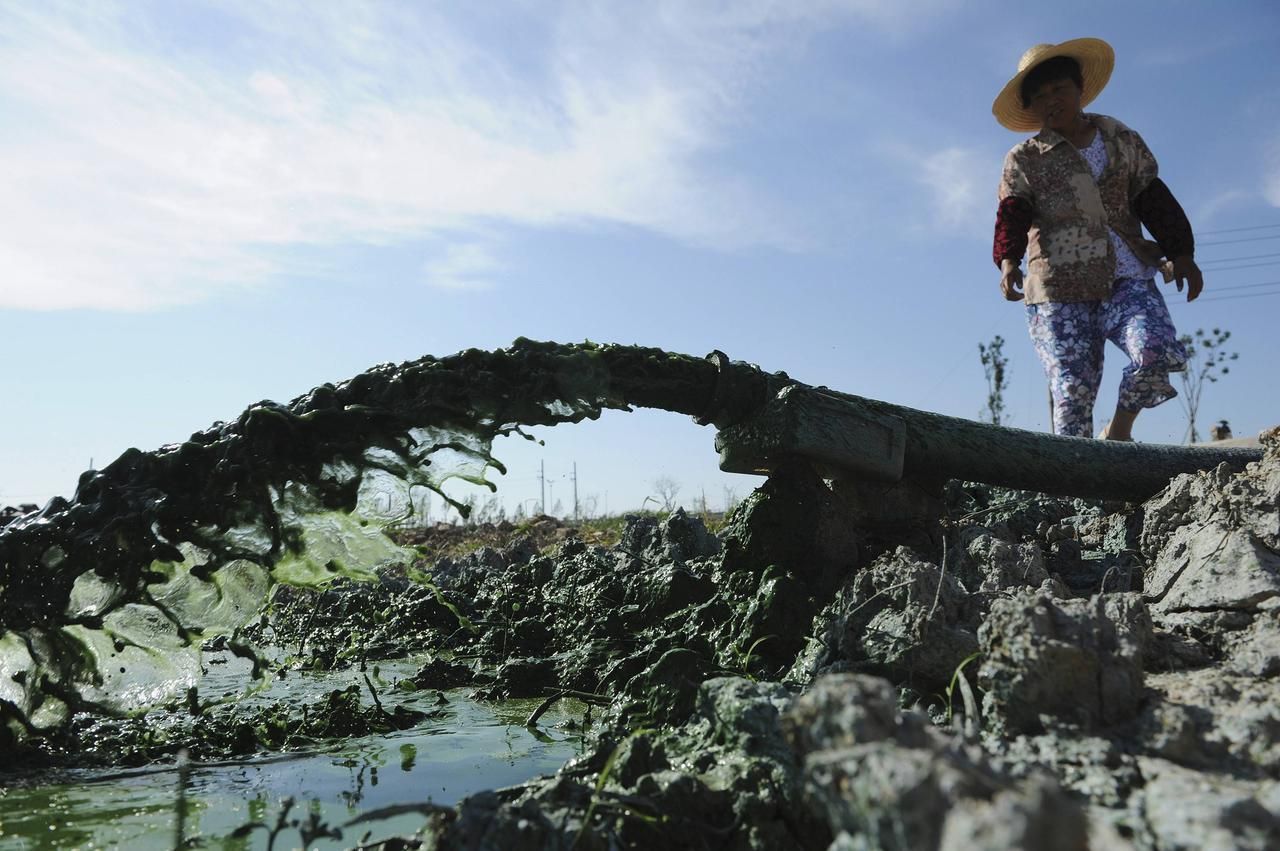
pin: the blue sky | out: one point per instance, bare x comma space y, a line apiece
205, 205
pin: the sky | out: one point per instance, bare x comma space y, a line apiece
203, 205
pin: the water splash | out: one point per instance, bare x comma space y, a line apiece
106, 598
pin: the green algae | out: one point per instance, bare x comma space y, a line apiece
104, 597
370, 787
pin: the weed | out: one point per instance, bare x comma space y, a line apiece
603, 780
744, 659
972, 715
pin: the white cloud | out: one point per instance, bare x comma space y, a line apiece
1210, 209
961, 187
147, 167
466, 266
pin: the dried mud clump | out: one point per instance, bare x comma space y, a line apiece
1030, 673
1077, 661
1055, 674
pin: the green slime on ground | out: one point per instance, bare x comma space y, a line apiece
106, 598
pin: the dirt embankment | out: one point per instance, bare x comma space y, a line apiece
1029, 672
1051, 674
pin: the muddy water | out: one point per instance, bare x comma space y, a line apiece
104, 597
363, 788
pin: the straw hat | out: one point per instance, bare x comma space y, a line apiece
1096, 60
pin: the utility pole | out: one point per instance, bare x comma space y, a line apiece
542, 484
575, 490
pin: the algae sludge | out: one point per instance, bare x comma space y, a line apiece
106, 598
850, 662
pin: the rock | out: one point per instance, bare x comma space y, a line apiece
665, 692
442, 674
1183, 809
843, 710
1206, 566
1209, 718
1073, 661
883, 779
989, 563
903, 618
1217, 502
793, 521
1037, 816
1255, 651
1094, 768
745, 716
673, 540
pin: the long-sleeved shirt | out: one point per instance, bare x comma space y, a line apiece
1051, 203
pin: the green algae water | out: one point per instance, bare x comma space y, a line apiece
363, 790
105, 598
131, 615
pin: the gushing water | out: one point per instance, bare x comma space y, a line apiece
106, 598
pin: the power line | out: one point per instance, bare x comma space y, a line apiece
1247, 286
1234, 241
1238, 259
1246, 295
1241, 266
1213, 293
1238, 230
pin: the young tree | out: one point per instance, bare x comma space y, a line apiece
995, 365
666, 488
1206, 361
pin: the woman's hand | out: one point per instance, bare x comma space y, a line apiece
1011, 280
1185, 271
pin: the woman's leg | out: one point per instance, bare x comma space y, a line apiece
1070, 348
1121, 425
1136, 319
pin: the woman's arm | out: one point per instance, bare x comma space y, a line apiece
1013, 220
1161, 213
1156, 208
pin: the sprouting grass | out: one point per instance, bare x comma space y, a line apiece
602, 781
972, 715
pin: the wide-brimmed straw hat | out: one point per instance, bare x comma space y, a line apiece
1096, 60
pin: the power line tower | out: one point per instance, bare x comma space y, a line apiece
575, 491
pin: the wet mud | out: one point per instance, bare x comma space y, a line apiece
1012, 670
1056, 674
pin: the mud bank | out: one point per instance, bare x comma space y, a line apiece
1057, 674
1001, 669
1051, 674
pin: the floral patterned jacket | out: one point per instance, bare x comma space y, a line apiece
1070, 256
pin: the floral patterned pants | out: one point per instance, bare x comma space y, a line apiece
1070, 338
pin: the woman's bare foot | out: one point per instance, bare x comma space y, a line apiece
1120, 427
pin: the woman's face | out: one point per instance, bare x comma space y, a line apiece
1057, 104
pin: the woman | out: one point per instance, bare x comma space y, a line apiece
1077, 193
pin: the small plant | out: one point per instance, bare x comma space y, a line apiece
995, 367
745, 659
958, 681
602, 781
1206, 361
